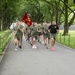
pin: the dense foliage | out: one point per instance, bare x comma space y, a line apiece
62, 11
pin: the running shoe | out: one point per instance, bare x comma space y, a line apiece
52, 48
20, 46
33, 46
16, 48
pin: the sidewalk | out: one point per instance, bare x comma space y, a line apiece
40, 61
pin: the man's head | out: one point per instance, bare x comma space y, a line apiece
53, 23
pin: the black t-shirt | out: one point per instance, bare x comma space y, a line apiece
53, 28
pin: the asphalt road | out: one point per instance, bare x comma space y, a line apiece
40, 61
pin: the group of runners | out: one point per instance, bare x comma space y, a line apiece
42, 33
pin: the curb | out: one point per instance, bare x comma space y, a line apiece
65, 46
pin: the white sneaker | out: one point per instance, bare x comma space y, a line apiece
16, 49
33, 46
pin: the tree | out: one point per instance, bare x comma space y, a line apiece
38, 10
66, 26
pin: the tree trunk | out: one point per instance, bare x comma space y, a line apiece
66, 26
39, 16
56, 12
1, 27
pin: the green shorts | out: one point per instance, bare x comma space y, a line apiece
19, 36
47, 36
53, 35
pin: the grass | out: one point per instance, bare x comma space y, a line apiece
4, 39
67, 40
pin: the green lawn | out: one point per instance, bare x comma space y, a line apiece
4, 39
67, 40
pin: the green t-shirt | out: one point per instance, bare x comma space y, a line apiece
34, 31
18, 31
45, 28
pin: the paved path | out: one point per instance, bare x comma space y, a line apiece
40, 61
